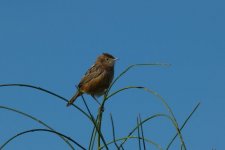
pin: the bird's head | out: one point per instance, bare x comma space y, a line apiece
106, 60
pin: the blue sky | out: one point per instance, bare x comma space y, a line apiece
51, 43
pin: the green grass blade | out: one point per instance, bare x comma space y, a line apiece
95, 135
142, 132
38, 130
183, 125
48, 92
113, 131
94, 122
135, 137
92, 139
123, 89
144, 121
132, 66
139, 138
174, 121
171, 113
36, 120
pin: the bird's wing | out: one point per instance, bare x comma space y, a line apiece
92, 73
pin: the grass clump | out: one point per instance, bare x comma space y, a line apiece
97, 138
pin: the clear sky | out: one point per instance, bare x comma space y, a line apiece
51, 43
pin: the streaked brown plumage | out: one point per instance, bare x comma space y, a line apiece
97, 79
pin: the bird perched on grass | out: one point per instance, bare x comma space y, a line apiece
97, 79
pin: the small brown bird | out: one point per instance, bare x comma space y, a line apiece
97, 79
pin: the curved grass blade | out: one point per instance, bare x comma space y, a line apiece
174, 121
36, 120
171, 113
100, 114
38, 130
144, 121
49, 92
139, 87
185, 122
123, 89
132, 66
135, 137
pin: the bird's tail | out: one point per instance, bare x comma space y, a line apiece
71, 101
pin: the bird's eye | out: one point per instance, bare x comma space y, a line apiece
107, 59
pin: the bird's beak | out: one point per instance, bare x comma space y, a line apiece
116, 59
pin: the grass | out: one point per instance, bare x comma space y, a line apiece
97, 138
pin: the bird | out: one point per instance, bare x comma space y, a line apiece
97, 79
